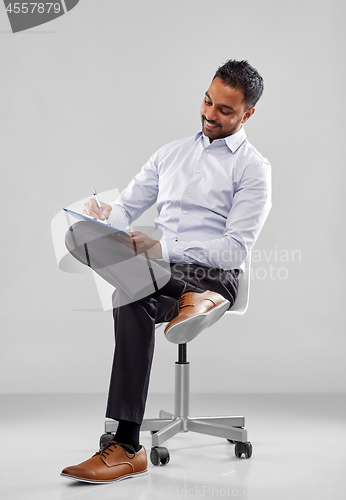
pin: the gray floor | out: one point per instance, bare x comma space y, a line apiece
298, 449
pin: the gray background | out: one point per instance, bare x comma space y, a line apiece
87, 98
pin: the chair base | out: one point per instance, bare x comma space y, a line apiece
169, 424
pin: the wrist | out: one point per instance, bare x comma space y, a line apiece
155, 252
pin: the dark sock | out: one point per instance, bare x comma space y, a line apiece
128, 433
175, 287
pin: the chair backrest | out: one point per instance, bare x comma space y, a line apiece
242, 301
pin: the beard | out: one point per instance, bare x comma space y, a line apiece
217, 132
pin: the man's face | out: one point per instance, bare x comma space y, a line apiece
223, 110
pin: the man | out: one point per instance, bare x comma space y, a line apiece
213, 196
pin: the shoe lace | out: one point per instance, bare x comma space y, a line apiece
108, 448
171, 313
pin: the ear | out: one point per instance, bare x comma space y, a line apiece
249, 112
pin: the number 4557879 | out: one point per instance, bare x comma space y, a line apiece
31, 7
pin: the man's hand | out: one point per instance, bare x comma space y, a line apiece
141, 243
91, 208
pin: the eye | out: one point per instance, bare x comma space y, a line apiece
225, 112
207, 102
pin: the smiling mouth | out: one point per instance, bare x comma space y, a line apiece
210, 125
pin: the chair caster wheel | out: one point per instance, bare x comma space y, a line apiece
105, 439
159, 455
243, 448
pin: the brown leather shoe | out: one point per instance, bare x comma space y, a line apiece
197, 312
112, 463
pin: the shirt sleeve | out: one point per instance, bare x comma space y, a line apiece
139, 195
250, 208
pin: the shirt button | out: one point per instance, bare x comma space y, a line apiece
173, 260
181, 234
208, 150
185, 212
197, 171
189, 192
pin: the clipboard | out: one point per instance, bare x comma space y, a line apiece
84, 217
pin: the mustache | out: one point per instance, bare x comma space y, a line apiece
212, 122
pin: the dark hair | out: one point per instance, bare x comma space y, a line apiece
242, 76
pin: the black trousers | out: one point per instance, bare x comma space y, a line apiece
134, 322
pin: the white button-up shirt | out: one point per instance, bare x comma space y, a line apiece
212, 199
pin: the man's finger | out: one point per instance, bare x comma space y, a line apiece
91, 208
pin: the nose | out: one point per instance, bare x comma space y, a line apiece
210, 113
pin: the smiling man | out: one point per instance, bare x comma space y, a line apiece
224, 109
212, 193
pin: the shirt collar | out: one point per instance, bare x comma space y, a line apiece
232, 141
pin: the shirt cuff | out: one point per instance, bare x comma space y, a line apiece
116, 217
172, 251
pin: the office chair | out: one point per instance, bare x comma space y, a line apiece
169, 424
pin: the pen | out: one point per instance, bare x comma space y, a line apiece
98, 202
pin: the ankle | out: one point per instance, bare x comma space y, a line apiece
128, 434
